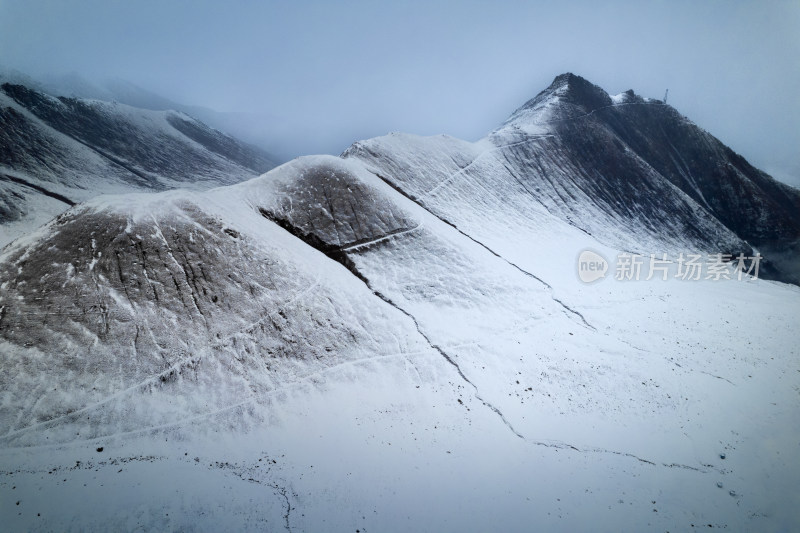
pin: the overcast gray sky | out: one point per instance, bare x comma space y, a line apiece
330, 73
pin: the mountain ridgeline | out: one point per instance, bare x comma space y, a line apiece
572, 163
405, 317
631, 171
57, 151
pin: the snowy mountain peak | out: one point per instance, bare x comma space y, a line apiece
360, 336
566, 97
635, 163
575, 89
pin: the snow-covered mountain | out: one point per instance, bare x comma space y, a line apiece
396, 339
630, 171
261, 129
55, 152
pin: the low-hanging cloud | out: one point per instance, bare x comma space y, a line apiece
313, 77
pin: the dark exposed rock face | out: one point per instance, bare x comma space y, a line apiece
748, 201
758, 209
574, 96
243, 154
327, 199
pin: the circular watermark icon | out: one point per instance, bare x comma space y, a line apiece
591, 266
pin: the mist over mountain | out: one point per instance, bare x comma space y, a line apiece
57, 151
330, 76
397, 338
260, 129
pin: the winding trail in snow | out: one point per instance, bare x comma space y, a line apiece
463, 169
388, 236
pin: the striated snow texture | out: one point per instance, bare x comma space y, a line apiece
397, 340
55, 152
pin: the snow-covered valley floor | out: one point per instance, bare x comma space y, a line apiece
677, 407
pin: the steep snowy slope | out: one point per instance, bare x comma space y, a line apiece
256, 128
559, 374
632, 172
69, 150
403, 378
176, 306
393, 340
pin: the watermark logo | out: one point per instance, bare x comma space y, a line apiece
591, 266
688, 267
